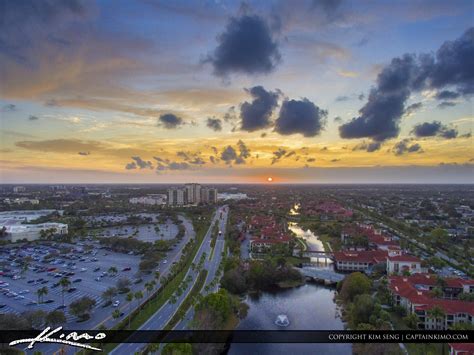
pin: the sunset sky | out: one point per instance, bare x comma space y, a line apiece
223, 91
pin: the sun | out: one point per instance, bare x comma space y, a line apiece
269, 179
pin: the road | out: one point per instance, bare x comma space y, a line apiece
161, 318
104, 315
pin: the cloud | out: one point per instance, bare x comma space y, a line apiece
8, 108
61, 145
413, 108
380, 117
435, 128
300, 116
334, 160
170, 121
214, 123
368, 147
33, 118
277, 155
229, 155
246, 46
139, 163
84, 153
404, 147
310, 160
165, 164
446, 104
257, 114
447, 95
342, 98
337, 119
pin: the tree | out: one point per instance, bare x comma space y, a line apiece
157, 276
82, 307
149, 287
11, 321
116, 314
108, 294
35, 319
439, 236
411, 321
112, 271
138, 296
123, 285
65, 283
437, 314
129, 299
437, 292
361, 309
355, 284
55, 318
41, 292
177, 349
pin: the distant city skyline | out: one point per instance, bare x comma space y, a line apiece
236, 92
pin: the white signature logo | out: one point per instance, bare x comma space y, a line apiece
44, 337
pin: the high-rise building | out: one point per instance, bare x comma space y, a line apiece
208, 195
176, 197
193, 193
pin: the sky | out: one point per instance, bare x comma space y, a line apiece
235, 92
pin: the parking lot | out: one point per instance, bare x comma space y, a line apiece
86, 265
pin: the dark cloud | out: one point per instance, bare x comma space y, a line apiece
131, 166
170, 121
243, 149
214, 123
8, 108
447, 95
342, 98
257, 114
84, 153
368, 147
450, 68
214, 149
229, 155
33, 118
300, 116
178, 166
230, 115
263, 135
277, 155
413, 107
435, 128
337, 119
361, 96
161, 160
310, 160
139, 163
446, 104
404, 147
335, 160
246, 46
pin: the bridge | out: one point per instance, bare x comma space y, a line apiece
328, 276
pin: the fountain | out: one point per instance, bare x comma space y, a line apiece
282, 320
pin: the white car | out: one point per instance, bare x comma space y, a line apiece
165, 261
116, 303
83, 269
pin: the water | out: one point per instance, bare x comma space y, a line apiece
313, 243
309, 307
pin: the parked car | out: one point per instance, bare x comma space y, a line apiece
77, 280
72, 289
128, 268
116, 303
48, 301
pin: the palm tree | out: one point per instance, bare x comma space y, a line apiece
113, 270
116, 314
149, 287
129, 300
138, 296
41, 292
437, 313
157, 276
65, 283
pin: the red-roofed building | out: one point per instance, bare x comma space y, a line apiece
420, 302
359, 260
461, 348
403, 262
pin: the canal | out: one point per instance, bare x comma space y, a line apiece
308, 307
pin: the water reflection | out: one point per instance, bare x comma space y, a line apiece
312, 241
310, 307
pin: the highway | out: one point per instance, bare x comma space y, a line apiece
166, 312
